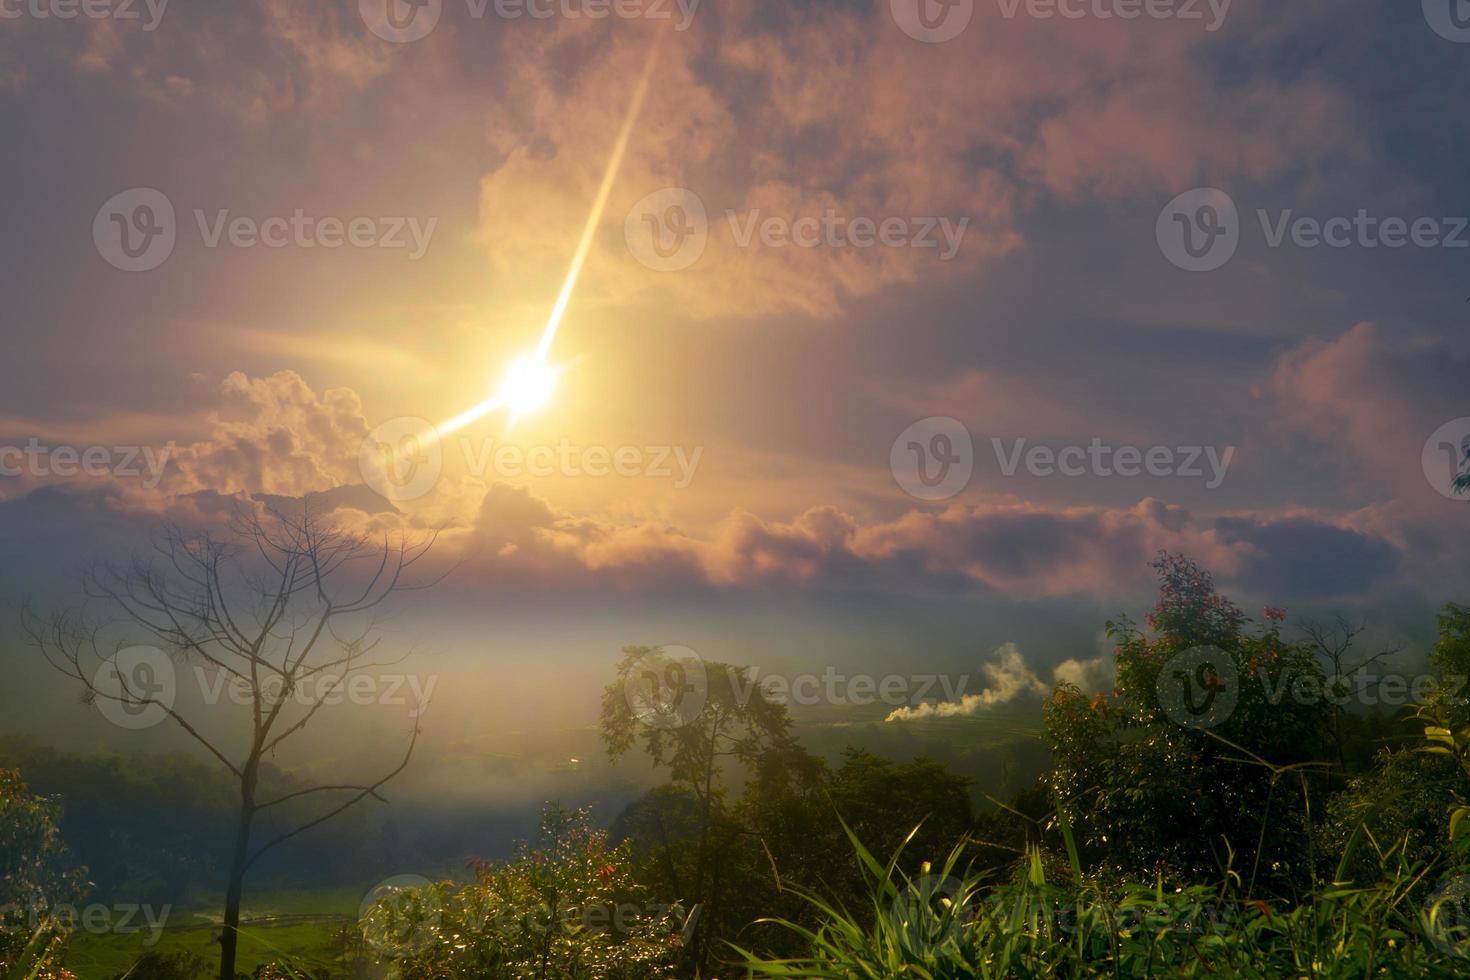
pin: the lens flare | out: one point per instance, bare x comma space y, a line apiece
530, 381
527, 385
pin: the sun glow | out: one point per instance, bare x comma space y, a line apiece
528, 385
529, 381
525, 388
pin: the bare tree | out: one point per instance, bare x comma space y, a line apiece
282, 607
1333, 642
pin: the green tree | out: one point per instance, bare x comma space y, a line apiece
883, 801
1151, 787
1450, 659
37, 876
694, 719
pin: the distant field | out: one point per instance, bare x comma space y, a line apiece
1000, 748
294, 925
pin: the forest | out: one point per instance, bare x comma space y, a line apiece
1246, 801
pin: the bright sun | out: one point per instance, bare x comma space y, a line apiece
527, 385
529, 382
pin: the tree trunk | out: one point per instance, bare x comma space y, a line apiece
229, 939
700, 896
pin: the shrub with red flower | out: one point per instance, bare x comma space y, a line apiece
1130, 774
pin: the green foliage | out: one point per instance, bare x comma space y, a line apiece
783, 830
176, 965
151, 826
1115, 888
1405, 800
1451, 661
1147, 793
1280, 839
950, 923
36, 877
146, 825
727, 716
1443, 741
35, 956
694, 719
879, 798
566, 907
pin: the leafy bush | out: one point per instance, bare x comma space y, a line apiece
36, 876
566, 907
1150, 794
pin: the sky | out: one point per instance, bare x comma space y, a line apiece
908, 331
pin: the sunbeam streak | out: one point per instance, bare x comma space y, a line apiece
529, 381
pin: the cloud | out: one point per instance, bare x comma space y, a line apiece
1309, 559
1369, 397
277, 438
1354, 411
790, 113
254, 62
1009, 549
273, 435
1010, 678
777, 114
1024, 548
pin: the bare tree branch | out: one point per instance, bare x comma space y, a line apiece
263, 608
